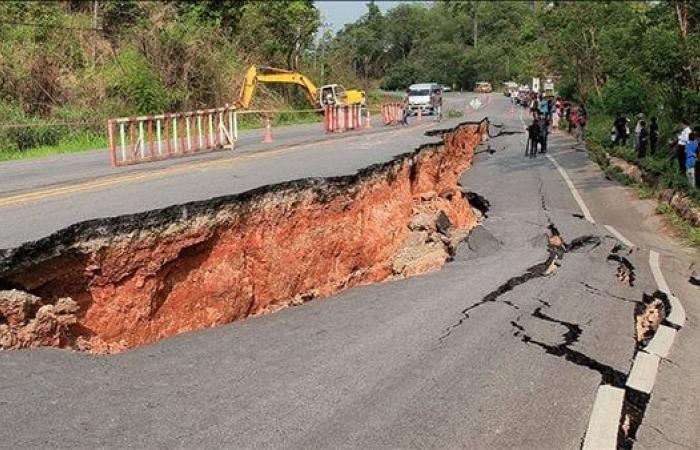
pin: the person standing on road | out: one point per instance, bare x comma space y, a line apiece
544, 133
681, 142
557, 114
569, 114
433, 101
533, 136
404, 111
544, 107
436, 100
581, 122
691, 157
620, 126
534, 106
653, 135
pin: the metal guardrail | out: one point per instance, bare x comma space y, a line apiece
163, 136
152, 138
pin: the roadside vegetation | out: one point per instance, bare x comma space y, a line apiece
64, 77
57, 65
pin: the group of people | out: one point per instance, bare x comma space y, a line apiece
684, 148
546, 112
643, 138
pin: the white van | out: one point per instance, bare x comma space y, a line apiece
419, 97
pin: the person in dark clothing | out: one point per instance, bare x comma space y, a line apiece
544, 133
620, 126
533, 137
534, 106
568, 114
581, 122
643, 140
653, 135
405, 110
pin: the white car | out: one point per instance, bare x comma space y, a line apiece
419, 97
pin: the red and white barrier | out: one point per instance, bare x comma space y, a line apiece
392, 113
337, 119
150, 138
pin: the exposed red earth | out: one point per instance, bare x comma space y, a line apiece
111, 284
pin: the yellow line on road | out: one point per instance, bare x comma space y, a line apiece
128, 178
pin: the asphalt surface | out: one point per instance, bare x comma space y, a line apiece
477, 355
38, 197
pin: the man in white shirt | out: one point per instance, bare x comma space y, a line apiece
681, 141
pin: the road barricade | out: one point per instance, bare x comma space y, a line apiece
392, 113
150, 138
337, 119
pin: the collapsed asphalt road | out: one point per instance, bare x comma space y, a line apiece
479, 354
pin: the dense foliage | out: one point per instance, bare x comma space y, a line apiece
57, 64
626, 57
153, 56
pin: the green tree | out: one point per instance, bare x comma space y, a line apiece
278, 32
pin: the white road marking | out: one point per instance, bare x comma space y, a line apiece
677, 316
662, 341
605, 419
643, 374
607, 407
572, 188
586, 213
619, 236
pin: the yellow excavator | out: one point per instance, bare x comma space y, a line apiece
329, 94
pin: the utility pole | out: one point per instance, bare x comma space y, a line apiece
475, 19
94, 26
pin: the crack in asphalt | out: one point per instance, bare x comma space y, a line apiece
535, 271
603, 293
542, 200
556, 253
609, 375
625, 269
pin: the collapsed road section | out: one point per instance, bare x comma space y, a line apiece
111, 284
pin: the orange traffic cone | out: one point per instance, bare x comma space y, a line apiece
369, 120
268, 131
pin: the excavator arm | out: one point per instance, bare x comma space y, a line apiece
255, 75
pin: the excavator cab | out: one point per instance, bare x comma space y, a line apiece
336, 94
332, 94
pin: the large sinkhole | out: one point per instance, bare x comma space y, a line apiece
108, 285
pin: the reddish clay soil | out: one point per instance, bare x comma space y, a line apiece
111, 284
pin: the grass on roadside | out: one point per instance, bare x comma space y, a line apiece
73, 144
597, 146
688, 232
86, 141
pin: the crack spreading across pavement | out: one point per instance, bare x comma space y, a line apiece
108, 285
556, 248
609, 375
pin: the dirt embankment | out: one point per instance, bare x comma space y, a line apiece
111, 284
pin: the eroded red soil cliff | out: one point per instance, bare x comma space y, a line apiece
139, 278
